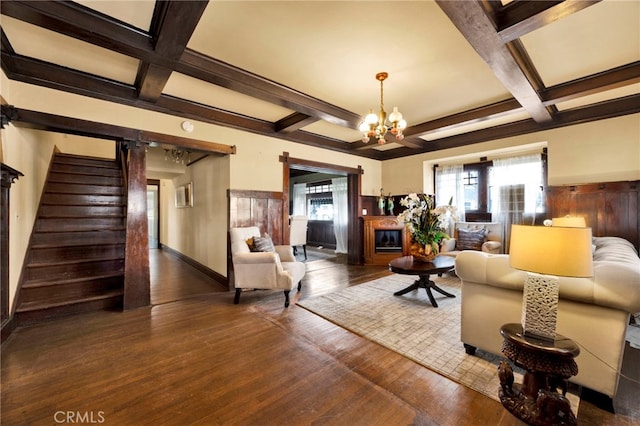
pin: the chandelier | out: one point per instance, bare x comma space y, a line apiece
376, 126
177, 155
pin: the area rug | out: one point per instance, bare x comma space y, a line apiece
410, 326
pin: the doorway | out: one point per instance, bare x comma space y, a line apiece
153, 212
355, 253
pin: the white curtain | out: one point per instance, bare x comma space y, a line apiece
450, 186
299, 199
516, 196
340, 213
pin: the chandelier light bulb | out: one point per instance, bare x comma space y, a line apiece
364, 127
402, 124
395, 116
371, 118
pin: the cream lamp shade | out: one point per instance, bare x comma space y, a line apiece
551, 250
569, 222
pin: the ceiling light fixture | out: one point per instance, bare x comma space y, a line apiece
177, 155
375, 126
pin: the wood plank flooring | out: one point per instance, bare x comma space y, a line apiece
196, 358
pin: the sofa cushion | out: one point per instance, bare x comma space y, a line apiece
470, 239
264, 244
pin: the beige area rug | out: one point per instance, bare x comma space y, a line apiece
410, 326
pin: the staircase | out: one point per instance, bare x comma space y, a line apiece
75, 262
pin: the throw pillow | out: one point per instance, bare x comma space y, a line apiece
469, 239
263, 243
250, 244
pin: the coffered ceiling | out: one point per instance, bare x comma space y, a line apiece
461, 72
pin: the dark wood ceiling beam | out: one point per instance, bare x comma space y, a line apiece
522, 17
57, 123
478, 29
85, 24
293, 122
33, 71
319, 141
600, 111
5, 47
173, 27
80, 22
40, 73
205, 68
611, 79
483, 113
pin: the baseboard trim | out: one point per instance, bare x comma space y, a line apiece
8, 326
222, 280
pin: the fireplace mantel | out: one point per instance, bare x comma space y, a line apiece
385, 238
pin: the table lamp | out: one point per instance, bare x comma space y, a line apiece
546, 252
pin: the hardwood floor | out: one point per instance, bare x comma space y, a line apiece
196, 358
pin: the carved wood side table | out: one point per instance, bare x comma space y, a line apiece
548, 364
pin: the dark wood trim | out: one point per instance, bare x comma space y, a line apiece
8, 176
62, 124
218, 278
137, 281
8, 326
173, 25
474, 24
591, 84
520, 18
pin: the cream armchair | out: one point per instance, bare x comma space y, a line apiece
298, 233
263, 270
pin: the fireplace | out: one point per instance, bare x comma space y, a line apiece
385, 238
388, 240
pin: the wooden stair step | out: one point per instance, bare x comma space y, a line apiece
80, 251
75, 224
65, 239
55, 302
74, 159
79, 211
73, 261
90, 179
50, 282
82, 189
85, 170
83, 199
73, 269
35, 313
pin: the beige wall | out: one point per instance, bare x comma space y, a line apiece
255, 166
606, 150
199, 232
601, 151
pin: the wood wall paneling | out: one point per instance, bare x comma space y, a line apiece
609, 208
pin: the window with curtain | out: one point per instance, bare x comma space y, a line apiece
451, 186
299, 199
341, 213
319, 201
516, 191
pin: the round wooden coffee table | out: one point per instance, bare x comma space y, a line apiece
408, 265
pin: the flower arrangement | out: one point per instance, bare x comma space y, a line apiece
425, 222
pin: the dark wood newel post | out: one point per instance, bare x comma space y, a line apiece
137, 292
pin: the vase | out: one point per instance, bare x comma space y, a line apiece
422, 253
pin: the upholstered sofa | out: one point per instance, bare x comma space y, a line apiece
594, 312
275, 268
490, 242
